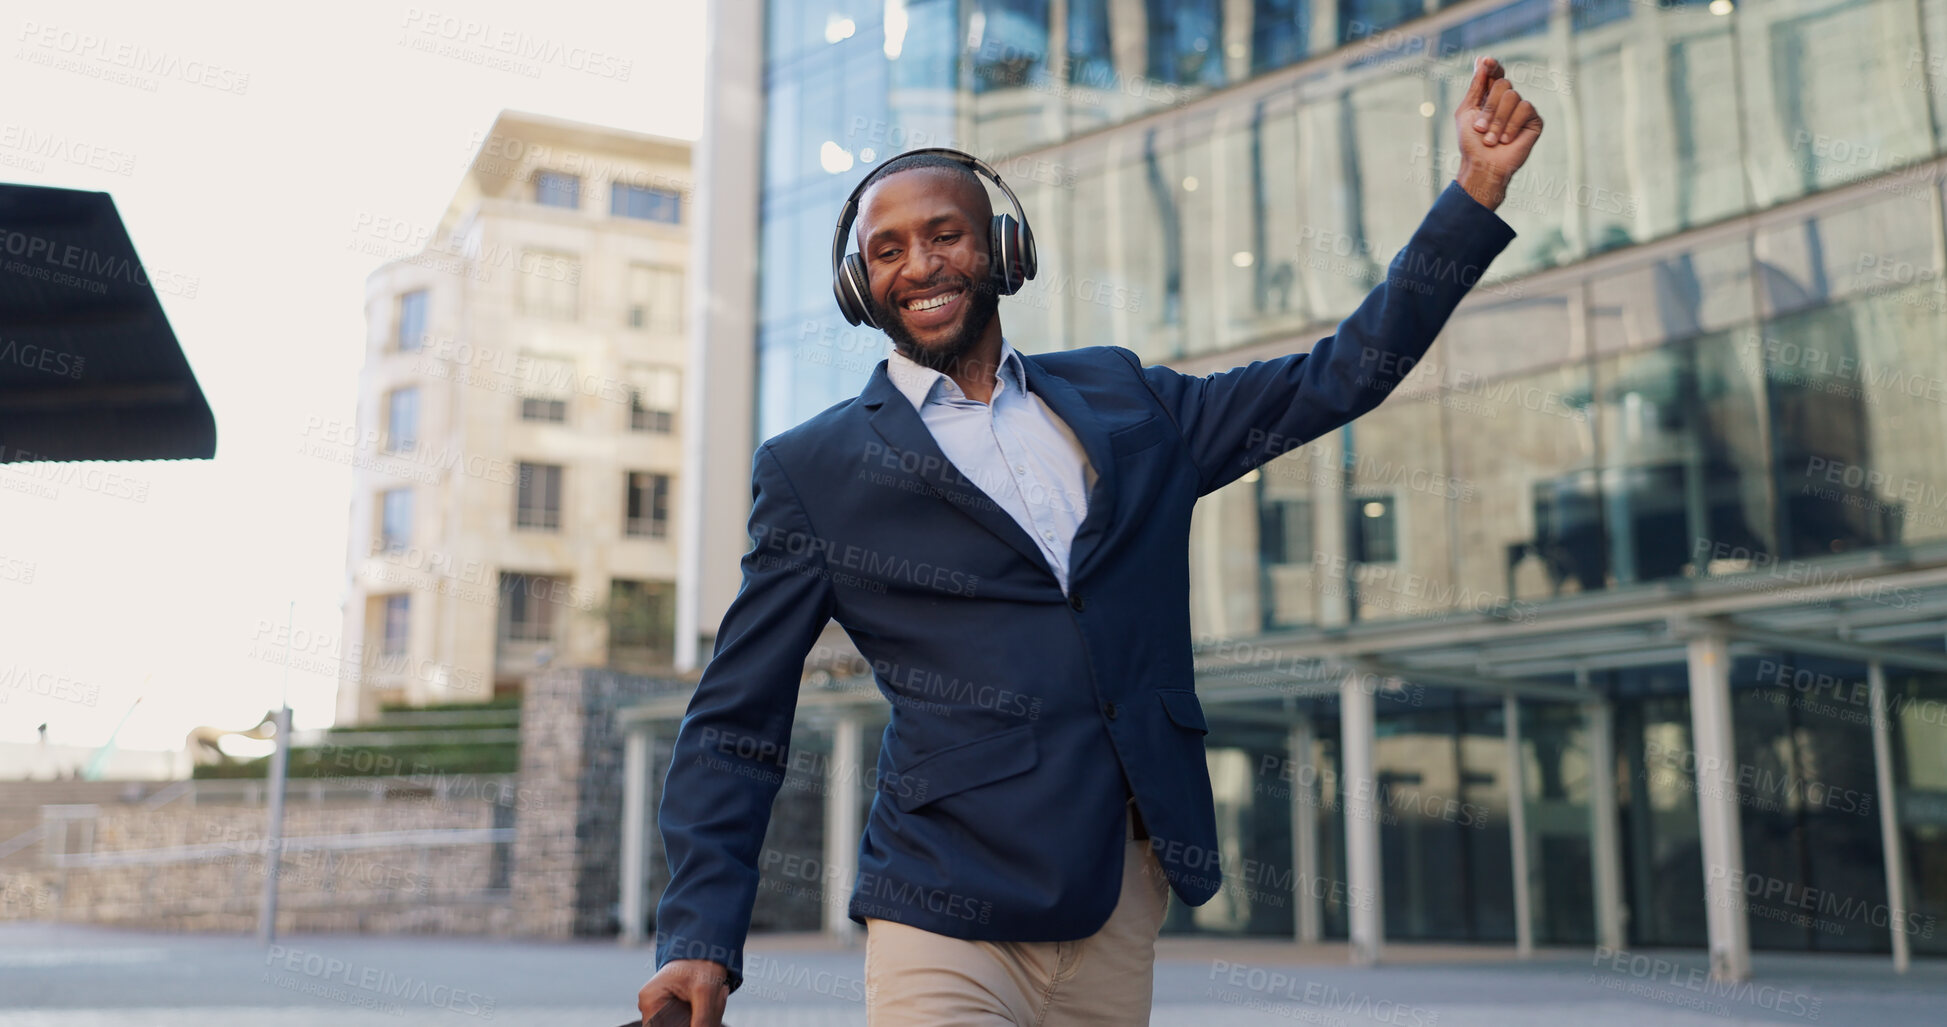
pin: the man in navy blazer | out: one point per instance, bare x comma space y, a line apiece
1043, 700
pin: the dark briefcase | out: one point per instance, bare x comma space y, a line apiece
675, 1013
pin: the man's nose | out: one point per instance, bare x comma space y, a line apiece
922, 263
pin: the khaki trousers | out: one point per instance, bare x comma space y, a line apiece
915, 978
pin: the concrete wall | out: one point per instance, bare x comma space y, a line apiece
201, 868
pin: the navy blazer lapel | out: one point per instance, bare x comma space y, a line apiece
1074, 411
913, 451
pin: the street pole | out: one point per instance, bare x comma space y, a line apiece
279, 763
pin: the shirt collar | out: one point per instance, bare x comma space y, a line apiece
918, 382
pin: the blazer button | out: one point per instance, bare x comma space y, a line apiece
1108, 710
1075, 600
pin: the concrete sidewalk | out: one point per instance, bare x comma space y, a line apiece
57, 975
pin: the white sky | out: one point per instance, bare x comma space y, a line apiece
253, 199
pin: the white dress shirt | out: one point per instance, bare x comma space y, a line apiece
1013, 448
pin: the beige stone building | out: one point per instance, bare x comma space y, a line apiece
518, 444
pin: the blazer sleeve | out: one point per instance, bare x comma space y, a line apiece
731, 750
1235, 420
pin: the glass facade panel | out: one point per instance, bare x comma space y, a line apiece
1478, 811
1125, 249
1008, 95
1704, 288
1359, 19
1281, 33
1829, 97
1359, 132
1810, 814
1254, 835
1523, 490
1659, 81
1917, 712
1542, 201
1555, 779
1255, 214
1398, 559
1680, 448
1663, 865
1857, 400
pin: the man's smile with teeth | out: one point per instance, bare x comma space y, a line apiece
932, 302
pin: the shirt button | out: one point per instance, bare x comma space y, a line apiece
1075, 601
1049, 535
1108, 710
1020, 469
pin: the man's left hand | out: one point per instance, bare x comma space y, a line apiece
1497, 130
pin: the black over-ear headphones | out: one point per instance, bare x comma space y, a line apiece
1010, 243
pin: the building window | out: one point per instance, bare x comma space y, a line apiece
1284, 531
538, 497
412, 321
1280, 34
652, 403
648, 505
554, 411
634, 201
641, 621
550, 284
526, 607
1186, 42
1013, 50
557, 189
401, 420
546, 385
1373, 529
656, 298
397, 609
395, 520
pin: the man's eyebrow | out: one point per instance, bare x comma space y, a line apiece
931, 223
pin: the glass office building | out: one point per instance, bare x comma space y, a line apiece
1622, 621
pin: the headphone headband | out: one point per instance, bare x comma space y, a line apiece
850, 211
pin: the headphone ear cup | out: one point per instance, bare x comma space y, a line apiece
1030, 262
854, 288
1004, 244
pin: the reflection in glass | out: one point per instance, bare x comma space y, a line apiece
1254, 155
1854, 387
1007, 46
1280, 33
1523, 485
1186, 41
1828, 92
1808, 815
1556, 778
1114, 273
1541, 203
1659, 81
1443, 829
1397, 562
1359, 133
1254, 810
1329, 887
1361, 18
1663, 863
1480, 815
1917, 708
1285, 540
1703, 288
1679, 478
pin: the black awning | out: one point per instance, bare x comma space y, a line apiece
89, 368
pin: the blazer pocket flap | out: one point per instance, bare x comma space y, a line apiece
1139, 437
1182, 706
967, 765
